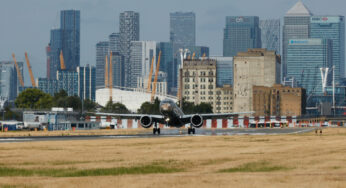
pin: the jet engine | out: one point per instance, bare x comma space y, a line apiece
196, 121
146, 121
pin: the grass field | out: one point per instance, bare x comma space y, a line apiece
302, 160
74, 133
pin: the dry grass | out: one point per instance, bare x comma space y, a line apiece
74, 133
211, 161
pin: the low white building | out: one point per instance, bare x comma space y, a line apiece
130, 98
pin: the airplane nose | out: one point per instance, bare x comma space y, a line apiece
165, 107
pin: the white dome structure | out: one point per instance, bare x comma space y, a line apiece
130, 98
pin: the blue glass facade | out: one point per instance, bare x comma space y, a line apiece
70, 33
270, 34
55, 47
199, 51
305, 57
68, 81
167, 64
182, 30
224, 71
240, 34
86, 82
67, 39
333, 28
50, 86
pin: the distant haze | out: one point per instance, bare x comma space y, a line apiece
25, 24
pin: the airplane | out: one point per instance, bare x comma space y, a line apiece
173, 116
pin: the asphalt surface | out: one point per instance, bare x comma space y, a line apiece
164, 133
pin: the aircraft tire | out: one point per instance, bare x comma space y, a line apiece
158, 131
154, 130
193, 130
188, 130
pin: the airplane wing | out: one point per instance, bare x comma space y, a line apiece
216, 116
156, 118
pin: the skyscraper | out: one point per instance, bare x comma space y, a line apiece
141, 56
129, 31
70, 35
102, 49
270, 34
118, 64
333, 28
53, 52
67, 40
305, 57
167, 64
86, 82
8, 80
114, 45
182, 30
296, 26
240, 34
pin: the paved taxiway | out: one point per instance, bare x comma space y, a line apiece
164, 133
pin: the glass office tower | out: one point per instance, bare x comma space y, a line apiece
333, 28
296, 26
270, 34
240, 34
305, 57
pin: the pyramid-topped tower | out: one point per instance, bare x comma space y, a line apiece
296, 26
299, 9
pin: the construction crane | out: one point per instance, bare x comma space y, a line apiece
193, 55
19, 74
110, 82
62, 62
155, 80
150, 74
30, 70
106, 72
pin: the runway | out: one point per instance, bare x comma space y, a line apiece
164, 133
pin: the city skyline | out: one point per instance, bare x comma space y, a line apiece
100, 18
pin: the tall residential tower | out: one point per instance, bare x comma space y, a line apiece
129, 31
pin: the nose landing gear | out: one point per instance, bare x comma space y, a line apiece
156, 130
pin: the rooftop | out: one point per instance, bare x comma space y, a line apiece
299, 9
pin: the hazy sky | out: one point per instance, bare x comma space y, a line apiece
25, 24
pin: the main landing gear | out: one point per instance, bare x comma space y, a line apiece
156, 130
191, 130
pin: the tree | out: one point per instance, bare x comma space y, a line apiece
61, 99
115, 108
191, 108
150, 108
33, 98
89, 105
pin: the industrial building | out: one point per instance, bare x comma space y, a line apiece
256, 67
278, 100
